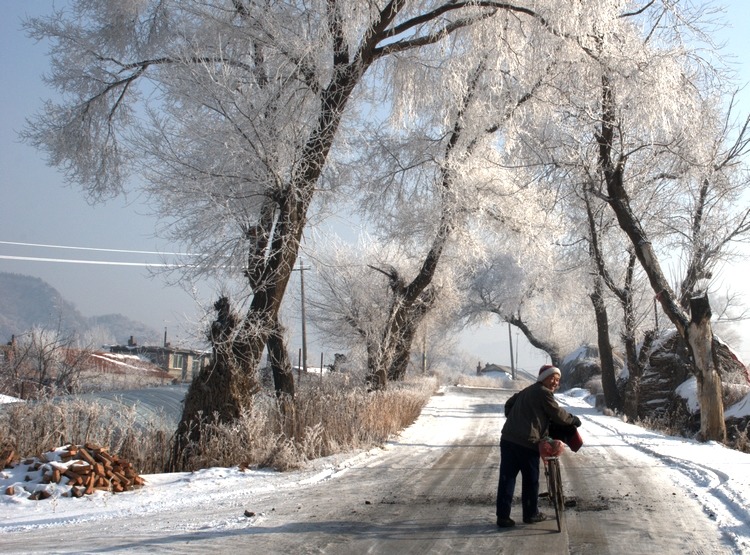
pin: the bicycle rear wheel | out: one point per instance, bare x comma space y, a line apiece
554, 483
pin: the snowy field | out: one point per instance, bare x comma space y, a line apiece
719, 478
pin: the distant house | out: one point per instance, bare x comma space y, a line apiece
495, 371
182, 364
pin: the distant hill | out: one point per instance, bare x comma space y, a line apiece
26, 302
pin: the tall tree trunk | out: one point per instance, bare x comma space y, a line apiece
701, 340
696, 333
632, 394
400, 364
409, 305
404, 336
606, 359
227, 389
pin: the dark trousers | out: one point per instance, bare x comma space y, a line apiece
514, 459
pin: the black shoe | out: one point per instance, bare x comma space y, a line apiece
505, 522
539, 517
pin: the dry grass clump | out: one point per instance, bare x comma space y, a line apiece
738, 434
38, 427
325, 418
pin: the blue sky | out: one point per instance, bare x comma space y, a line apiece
37, 207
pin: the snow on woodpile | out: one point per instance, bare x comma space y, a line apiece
68, 471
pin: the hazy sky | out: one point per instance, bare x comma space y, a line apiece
37, 207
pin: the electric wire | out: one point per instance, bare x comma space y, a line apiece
88, 261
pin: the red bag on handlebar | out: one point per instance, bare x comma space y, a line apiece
549, 447
567, 434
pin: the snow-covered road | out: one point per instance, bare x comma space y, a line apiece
431, 490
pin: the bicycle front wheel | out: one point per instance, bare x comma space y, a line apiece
555, 490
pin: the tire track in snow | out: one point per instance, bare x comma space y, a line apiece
710, 486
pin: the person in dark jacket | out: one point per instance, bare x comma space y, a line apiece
528, 415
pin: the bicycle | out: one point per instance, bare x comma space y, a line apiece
550, 450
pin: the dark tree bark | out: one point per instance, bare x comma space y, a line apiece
404, 338
624, 295
606, 359
388, 354
220, 389
281, 366
550, 348
632, 393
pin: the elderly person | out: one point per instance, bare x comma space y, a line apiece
528, 416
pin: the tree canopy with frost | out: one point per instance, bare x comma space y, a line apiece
225, 112
624, 125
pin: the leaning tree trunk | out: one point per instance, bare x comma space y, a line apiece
551, 349
229, 388
401, 353
697, 333
410, 305
409, 322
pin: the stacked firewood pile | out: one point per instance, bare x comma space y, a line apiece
76, 469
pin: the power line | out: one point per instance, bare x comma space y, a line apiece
92, 248
99, 262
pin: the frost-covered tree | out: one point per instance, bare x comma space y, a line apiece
226, 111
348, 300
427, 182
630, 89
527, 281
434, 172
711, 217
43, 362
622, 281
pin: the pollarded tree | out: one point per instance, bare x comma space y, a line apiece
228, 111
696, 329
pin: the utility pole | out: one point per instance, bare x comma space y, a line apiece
304, 332
510, 343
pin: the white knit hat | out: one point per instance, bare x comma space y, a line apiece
546, 371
